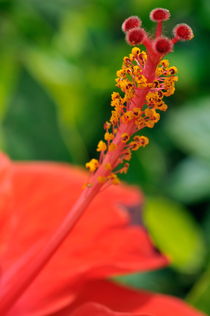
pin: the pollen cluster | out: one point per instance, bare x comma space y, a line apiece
144, 79
125, 112
131, 80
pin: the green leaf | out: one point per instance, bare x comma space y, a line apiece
8, 75
190, 181
30, 126
148, 168
189, 127
200, 294
59, 78
175, 233
156, 281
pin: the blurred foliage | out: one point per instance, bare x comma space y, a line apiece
58, 60
199, 295
172, 217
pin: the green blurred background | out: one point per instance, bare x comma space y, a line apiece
58, 60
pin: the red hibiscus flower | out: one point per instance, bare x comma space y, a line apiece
108, 240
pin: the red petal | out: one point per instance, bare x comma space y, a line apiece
5, 202
93, 309
103, 243
124, 300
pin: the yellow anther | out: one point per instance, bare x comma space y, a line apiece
101, 146
162, 106
159, 94
131, 57
108, 136
115, 117
153, 97
134, 145
92, 165
114, 178
172, 70
140, 123
124, 85
115, 95
107, 125
159, 71
137, 112
153, 117
169, 91
126, 61
120, 73
136, 70
127, 155
149, 123
116, 102
129, 94
124, 169
142, 82
125, 137
164, 63
143, 56
127, 116
142, 140
151, 113
135, 51
128, 70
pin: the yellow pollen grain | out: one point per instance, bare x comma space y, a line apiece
134, 145
144, 141
164, 63
126, 61
135, 51
128, 116
101, 146
131, 57
107, 125
172, 70
108, 136
115, 95
141, 139
136, 112
162, 106
114, 178
124, 169
127, 155
150, 124
125, 137
92, 165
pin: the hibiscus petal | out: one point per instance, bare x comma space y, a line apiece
5, 201
93, 309
121, 299
103, 243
